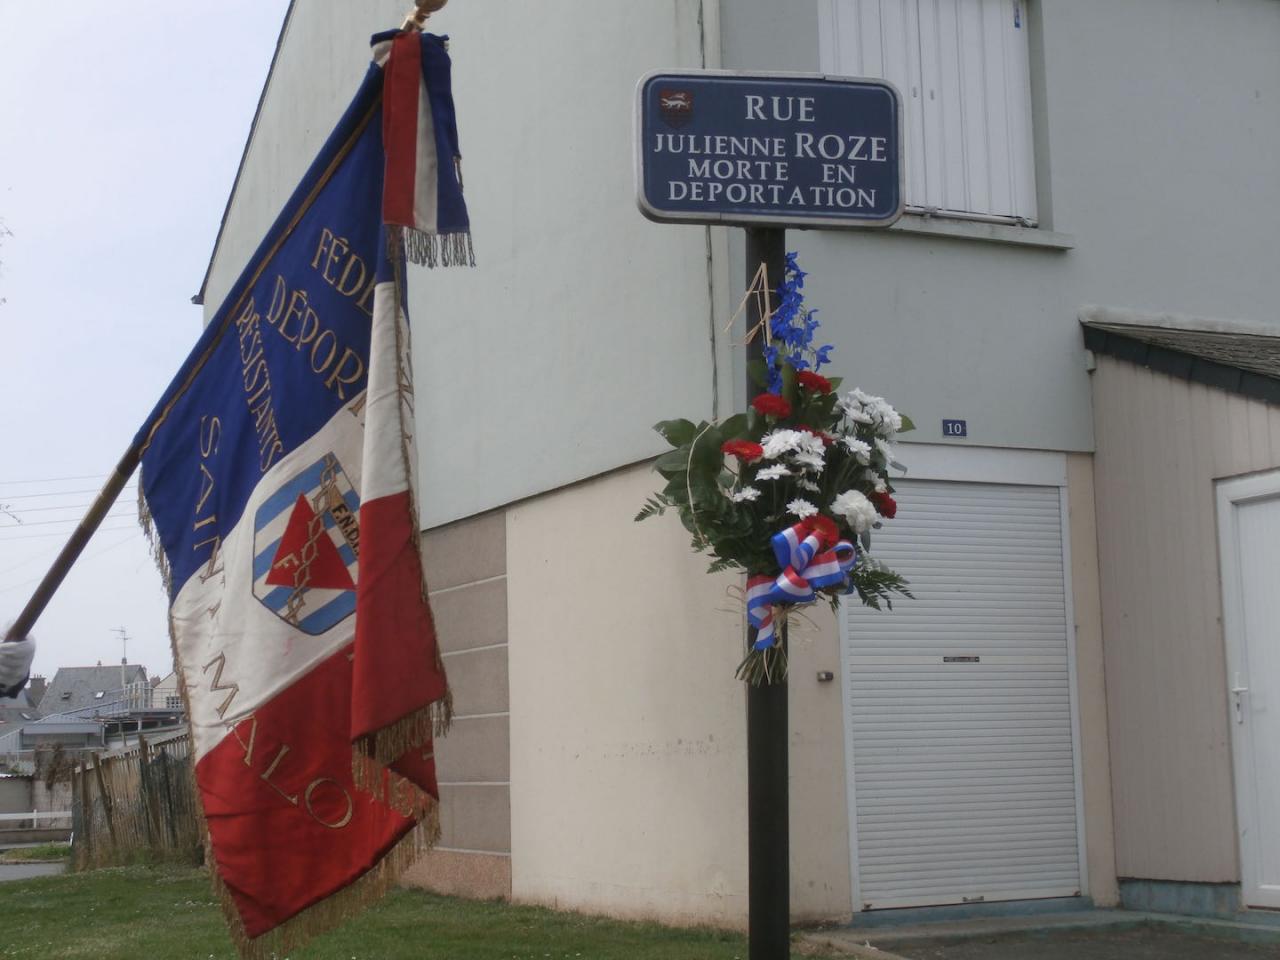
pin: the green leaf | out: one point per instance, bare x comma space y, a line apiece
655, 506
676, 461
835, 383
735, 428
677, 432
758, 373
706, 452
907, 424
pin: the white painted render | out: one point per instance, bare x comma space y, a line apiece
1153, 135
1155, 129
628, 751
628, 733
583, 324
628, 763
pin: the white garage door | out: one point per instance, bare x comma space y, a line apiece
958, 705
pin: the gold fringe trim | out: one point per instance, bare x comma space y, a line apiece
338, 907
388, 787
156, 548
417, 730
431, 249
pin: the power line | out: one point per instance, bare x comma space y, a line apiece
61, 493
22, 524
91, 476
69, 506
64, 533
35, 580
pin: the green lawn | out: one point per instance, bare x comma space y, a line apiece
168, 913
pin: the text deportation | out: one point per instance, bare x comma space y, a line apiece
757, 169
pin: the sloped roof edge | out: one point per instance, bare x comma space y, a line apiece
198, 299
1237, 356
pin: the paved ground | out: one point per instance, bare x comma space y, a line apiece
1153, 943
24, 871
1075, 935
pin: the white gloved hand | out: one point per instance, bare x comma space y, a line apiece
15, 662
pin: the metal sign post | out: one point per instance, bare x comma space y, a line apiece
768, 803
765, 152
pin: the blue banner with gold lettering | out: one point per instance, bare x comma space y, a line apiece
277, 481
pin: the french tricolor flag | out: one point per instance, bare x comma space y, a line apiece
277, 481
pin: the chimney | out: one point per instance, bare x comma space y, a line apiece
36, 689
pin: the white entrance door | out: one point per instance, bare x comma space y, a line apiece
1249, 533
958, 704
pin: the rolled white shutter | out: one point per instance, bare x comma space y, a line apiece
959, 704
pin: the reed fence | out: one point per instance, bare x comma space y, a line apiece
136, 806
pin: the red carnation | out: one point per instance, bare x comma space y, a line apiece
813, 381
825, 528
771, 405
886, 506
744, 450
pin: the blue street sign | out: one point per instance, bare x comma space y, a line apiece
955, 428
802, 150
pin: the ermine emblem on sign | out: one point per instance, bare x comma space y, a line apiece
676, 106
306, 547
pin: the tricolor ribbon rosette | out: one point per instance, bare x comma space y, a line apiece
812, 556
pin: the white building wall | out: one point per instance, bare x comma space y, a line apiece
583, 324
1154, 129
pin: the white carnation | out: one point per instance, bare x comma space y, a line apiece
776, 472
881, 486
860, 449
875, 412
856, 509
801, 508
855, 408
811, 461
885, 450
746, 494
776, 443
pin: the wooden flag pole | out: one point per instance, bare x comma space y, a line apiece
128, 464
75, 546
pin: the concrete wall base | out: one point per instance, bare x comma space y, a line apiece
475, 876
910, 916
1218, 900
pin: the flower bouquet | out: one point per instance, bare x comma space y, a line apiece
790, 490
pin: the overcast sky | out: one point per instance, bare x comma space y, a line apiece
121, 127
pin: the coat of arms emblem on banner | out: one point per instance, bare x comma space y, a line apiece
306, 545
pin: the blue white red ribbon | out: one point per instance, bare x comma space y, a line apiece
809, 562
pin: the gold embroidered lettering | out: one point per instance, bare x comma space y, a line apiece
331, 824
217, 686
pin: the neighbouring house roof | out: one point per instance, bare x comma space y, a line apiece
74, 688
17, 712
1235, 356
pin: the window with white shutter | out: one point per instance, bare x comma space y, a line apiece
964, 72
